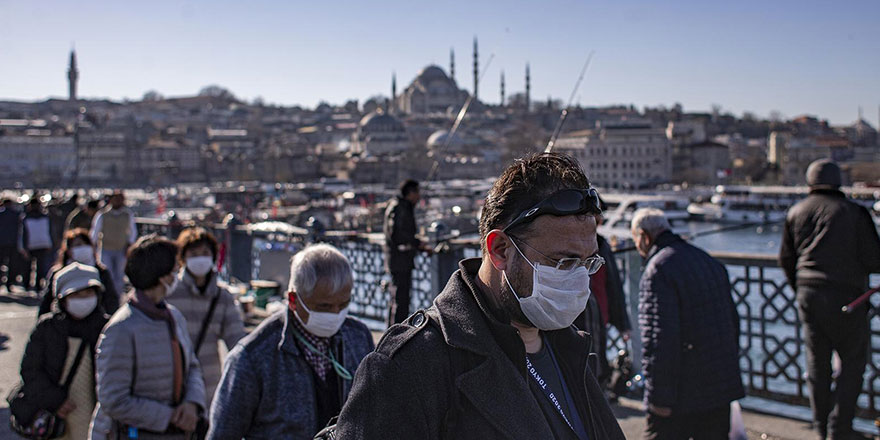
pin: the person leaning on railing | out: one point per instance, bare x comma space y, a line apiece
829, 248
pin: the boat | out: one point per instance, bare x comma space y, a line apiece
743, 204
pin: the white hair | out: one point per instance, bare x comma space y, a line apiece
315, 262
651, 220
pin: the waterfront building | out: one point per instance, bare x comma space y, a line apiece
37, 159
621, 154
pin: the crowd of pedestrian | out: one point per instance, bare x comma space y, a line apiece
132, 332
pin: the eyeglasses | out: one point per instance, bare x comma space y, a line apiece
592, 263
564, 202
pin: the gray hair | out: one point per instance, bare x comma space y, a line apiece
318, 261
651, 220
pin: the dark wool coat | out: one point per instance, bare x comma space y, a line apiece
690, 329
456, 372
401, 244
829, 241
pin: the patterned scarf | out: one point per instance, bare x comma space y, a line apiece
318, 363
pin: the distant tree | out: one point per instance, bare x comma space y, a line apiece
216, 91
152, 95
258, 102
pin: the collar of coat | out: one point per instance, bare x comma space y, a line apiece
665, 239
468, 322
188, 283
467, 319
288, 340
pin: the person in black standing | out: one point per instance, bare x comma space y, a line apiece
10, 230
401, 246
829, 247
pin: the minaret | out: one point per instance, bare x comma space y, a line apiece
393, 92
452, 63
502, 88
476, 70
72, 76
528, 88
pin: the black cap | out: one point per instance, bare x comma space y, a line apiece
823, 173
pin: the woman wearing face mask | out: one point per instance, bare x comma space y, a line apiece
207, 305
77, 247
149, 382
52, 378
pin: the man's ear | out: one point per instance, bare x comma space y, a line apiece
497, 246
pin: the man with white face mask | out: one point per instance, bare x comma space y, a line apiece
290, 376
209, 308
496, 356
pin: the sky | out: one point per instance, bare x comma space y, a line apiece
794, 57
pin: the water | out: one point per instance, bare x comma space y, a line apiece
755, 240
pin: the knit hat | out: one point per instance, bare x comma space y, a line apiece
75, 277
823, 174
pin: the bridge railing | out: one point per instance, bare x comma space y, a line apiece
771, 345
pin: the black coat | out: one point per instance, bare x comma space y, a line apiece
829, 241
690, 329
401, 244
45, 354
108, 299
456, 372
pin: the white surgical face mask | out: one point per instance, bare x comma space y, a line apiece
79, 308
321, 324
170, 288
83, 254
199, 266
558, 296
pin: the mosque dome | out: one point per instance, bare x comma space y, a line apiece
440, 137
380, 122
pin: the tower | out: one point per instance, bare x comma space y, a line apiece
502, 88
528, 88
476, 70
452, 63
72, 76
393, 92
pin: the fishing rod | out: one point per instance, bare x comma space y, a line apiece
849, 308
461, 114
564, 115
713, 232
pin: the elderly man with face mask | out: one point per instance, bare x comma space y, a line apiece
290, 376
690, 335
496, 356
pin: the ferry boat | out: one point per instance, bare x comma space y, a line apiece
743, 204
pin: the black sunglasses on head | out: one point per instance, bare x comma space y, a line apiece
562, 202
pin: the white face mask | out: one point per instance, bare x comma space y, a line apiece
321, 324
83, 254
558, 296
199, 266
79, 308
170, 288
